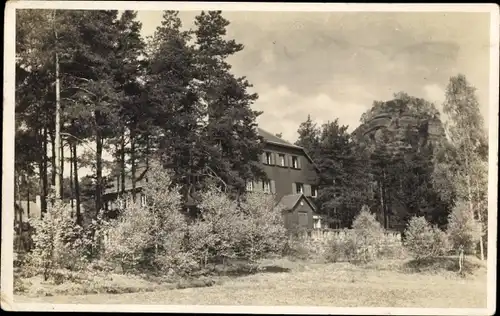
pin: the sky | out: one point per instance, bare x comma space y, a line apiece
335, 64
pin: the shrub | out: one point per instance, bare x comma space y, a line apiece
341, 248
168, 224
463, 230
218, 229
58, 242
423, 240
365, 238
128, 237
225, 229
263, 232
151, 235
391, 249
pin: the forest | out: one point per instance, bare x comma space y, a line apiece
88, 83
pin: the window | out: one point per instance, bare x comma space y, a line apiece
299, 187
250, 186
314, 191
295, 162
282, 160
268, 158
143, 200
266, 186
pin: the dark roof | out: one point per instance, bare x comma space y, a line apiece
35, 211
288, 202
271, 138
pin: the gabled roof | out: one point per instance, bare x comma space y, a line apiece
288, 202
275, 140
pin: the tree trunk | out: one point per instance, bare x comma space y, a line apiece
481, 243
58, 147
132, 160
471, 205
28, 199
77, 185
44, 174
382, 202
147, 158
53, 158
98, 192
61, 173
122, 162
71, 187
20, 214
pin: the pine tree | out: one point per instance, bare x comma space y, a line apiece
89, 79
174, 110
309, 135
230, 133
130, 48
343, 186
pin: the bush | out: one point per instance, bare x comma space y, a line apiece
149, 236
365, 238
365, 242
226, 230
215, 233
463, 230
128, 237
423, 240
58, 242
341, 249
262, 229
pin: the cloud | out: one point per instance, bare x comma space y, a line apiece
284, 110
434, 93
317, 61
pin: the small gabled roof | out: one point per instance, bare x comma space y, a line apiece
288, 202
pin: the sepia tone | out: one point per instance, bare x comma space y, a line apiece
253, 158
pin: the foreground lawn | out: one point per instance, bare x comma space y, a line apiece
383, 284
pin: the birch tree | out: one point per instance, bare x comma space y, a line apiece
467, 133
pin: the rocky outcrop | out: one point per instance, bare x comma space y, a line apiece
399, 120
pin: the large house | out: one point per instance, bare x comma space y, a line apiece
292, 179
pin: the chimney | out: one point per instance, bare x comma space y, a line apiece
38, 201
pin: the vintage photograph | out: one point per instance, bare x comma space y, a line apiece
223, 156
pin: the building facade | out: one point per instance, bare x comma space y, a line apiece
292, 179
